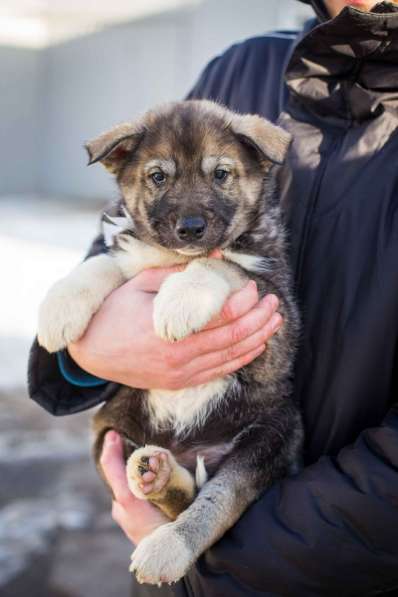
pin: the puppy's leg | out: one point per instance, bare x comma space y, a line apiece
188, 300
153, 474
136, 256
167, 554
70, 304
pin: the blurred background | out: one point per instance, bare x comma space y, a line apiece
69, 70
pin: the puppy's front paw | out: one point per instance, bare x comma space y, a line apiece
185, 304
64, 315
163, 557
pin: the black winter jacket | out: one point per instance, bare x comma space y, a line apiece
333, 529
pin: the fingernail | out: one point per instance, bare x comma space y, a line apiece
111, 437
252, 285
272, 301
276, 322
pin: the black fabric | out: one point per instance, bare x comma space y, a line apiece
257, 64
48, 387
333, 529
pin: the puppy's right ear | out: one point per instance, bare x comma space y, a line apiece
113, 147
270, 141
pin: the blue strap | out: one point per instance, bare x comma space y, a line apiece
74, 374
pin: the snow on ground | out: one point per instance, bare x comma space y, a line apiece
57, 538
40, 241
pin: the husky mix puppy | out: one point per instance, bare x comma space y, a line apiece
193, 177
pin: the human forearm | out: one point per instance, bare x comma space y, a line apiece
121, 345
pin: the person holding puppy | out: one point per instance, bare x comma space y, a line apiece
331, 529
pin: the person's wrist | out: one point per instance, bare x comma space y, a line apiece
77, 352
96, 365
76, 375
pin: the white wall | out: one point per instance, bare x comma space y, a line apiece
20, 80
96, 81
220, 23
61, 96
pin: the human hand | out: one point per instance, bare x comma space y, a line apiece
137, 518
120, 343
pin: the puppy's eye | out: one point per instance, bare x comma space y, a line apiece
158, 177
220, 174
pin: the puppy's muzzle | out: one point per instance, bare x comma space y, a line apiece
191, 228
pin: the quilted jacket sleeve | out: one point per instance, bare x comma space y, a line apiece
331, 530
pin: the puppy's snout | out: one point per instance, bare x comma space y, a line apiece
191, 228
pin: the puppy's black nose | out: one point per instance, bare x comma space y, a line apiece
191, 228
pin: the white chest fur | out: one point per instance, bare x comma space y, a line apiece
185, 303
187, 408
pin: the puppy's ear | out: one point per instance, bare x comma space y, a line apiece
270, 141
113, 147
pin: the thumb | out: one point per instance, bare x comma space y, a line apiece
114, 468
150, 280
216, 254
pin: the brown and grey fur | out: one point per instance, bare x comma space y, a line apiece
247, 429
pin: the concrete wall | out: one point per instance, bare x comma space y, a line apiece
220, 23
20, 76
96, 81
68, 93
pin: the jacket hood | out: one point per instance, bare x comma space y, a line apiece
345, 69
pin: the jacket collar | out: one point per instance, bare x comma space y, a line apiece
345, 69
320, 10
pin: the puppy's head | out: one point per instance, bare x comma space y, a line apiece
191, 173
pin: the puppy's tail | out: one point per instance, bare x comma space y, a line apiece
200, 472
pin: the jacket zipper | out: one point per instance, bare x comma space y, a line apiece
312, 203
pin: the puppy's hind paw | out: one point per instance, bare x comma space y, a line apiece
148, 471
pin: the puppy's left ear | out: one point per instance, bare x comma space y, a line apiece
114, 147
270, 141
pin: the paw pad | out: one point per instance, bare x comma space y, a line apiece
149, 470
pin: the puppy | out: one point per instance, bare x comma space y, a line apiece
193, 177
